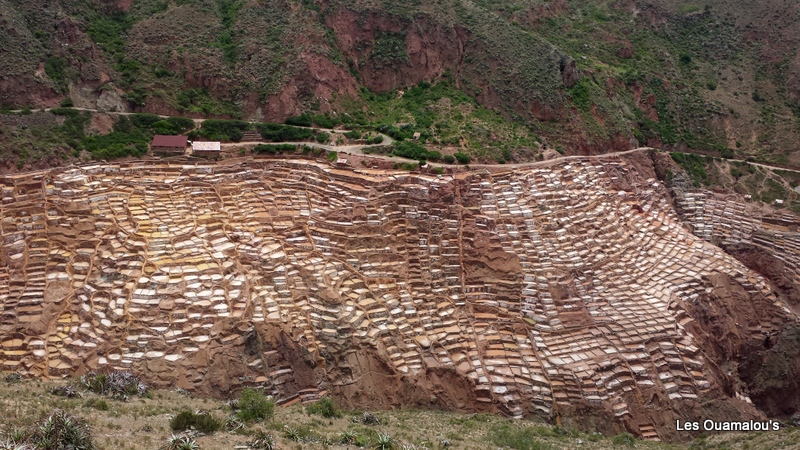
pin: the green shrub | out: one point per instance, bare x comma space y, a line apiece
694, 165
56, 68
332, 156
395, 133
434, 156
449, 159
223, 130
410, 150
202, 422
517, 438
275, 132
377, 139
67, 103
322, 137
354, 135
181, 124
307, 120
462, 158
303, 120
96, 403
438, 170
324, 407
254, 406
625, 439
275, 149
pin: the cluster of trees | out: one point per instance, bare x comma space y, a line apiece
413, 150
275, 132
130, 135
221, 130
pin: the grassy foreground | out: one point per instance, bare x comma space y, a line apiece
148, 422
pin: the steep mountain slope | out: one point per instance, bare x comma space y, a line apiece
571, 292
715, 76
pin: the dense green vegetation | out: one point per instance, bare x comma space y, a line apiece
445, 116
130, 136
694, 165
222, 130
389, 49
519, 438
199, 101
228, 11
410, 150
311, 119
56, 68
275, 132
276, 149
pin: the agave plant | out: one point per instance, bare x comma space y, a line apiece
10, 444
370, 419
61, 431
12, 378
182, 392
181, 442
385, 442
262, 441
232, 423
65, 391
291, 434
118, 385
14, 435
348, 437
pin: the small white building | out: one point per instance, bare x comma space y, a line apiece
206, 148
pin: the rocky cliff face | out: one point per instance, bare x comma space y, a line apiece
571, 292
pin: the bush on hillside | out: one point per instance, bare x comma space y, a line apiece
410, 150
322, 137
223, 130
462, 158
324, 407
202, 422
275, 132
275, 149
253, 406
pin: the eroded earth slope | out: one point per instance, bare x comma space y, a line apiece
571, 291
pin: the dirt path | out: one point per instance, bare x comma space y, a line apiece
357, 149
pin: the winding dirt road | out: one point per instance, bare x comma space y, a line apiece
357, 149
